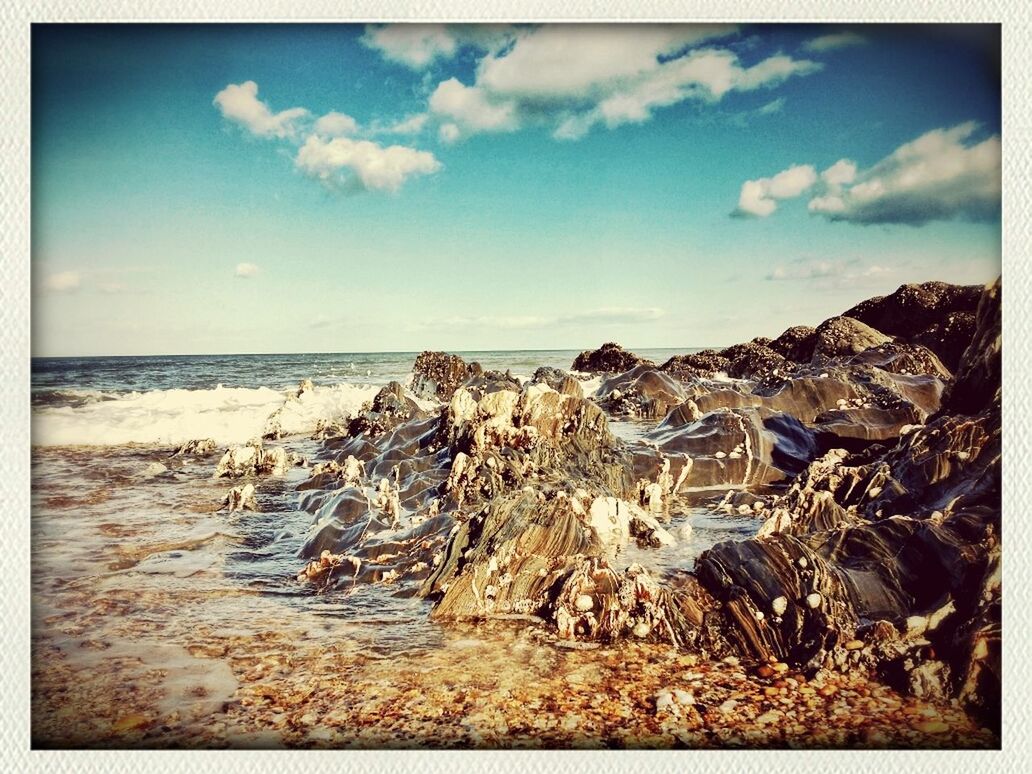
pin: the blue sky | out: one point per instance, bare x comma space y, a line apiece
206, 189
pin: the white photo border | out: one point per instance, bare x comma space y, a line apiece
17, 17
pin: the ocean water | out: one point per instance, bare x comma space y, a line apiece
130, 548
106, 401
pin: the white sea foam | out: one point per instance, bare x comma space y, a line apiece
226, 414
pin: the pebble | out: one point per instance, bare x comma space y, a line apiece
779, 605
814, 600
641, 629
584, 603
765, 671
932, 727
720, 455
854, 645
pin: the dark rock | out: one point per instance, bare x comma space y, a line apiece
796, 343
609, 358
753, 361
935, 314
705, 365
978, 380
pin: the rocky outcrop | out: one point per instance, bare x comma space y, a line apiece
389, 408
558, 380
640, 392
435, 375
753, 360
873, 477
887, 558
705, 364
796, 343
935, 314
609, 358
254, 459
844, 336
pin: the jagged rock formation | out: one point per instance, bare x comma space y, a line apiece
609, 358
437, 374
389, 408
935, 314
705, 364
872, 473
253, 459
641, 392
558, 380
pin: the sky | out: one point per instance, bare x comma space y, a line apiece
348, 188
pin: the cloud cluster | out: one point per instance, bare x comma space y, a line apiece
834, 40
419, 45
327, 150
942, 175
572, 78
246, 270
372, 166
839, 271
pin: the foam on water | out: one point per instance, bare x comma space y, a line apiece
225, 414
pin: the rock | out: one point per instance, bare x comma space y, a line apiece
389, 408
241, 498
609, 358
843, 336
641, 392
198, 448
796, 343
558, 380
438, 374
705, 364
978, 382
253, 459
935, 314
753, 361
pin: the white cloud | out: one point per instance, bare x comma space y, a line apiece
574, 77
841, 172
472, 107
246, 270
449, 133
834, 274
834, 40
415, 45
411, 125
942, 175
63, 281
602, 316
362, 164
335, 124
240, 103
758, 198
418, 45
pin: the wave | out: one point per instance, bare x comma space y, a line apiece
226, 414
